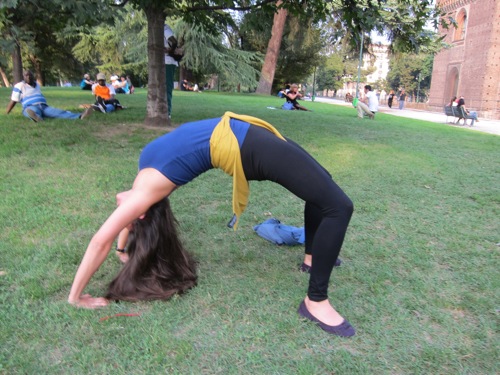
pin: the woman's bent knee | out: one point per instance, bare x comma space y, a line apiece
348, 207
340, 206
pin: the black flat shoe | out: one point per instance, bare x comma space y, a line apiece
345, 329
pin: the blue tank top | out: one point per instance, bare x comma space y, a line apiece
184, 153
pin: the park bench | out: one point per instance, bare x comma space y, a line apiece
457, 112
448, 111
464, 115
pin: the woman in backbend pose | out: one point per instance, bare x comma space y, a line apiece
248, 149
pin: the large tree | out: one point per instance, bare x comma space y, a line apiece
272, 53
210, 14
330, 73
411, 72
299, 52
206, 54
33, 30
306, 13
402, 21
120, 47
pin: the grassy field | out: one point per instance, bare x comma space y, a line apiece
420, 279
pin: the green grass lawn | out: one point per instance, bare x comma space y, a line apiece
419, 281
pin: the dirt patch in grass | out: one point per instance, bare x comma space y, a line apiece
125, 132
110, 132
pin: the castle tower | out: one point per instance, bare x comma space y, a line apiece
471, 66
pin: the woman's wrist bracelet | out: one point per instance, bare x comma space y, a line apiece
121, 250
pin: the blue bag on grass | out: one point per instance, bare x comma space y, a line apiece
287, 106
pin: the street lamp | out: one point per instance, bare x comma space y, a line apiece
314, 85
359, 63
418, 88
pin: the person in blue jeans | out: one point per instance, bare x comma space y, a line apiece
248, 149
35, 105
402, 99
472, 114
105, 95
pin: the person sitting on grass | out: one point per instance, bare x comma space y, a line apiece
86, 83
35, 105
188, 86
185, 86
281, 93
372, 100
123, 85
248, 149
291, 97
105, 95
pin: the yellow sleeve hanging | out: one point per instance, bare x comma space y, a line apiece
225, 154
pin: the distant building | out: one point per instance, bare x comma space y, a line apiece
377, 58
380, 61
471, 67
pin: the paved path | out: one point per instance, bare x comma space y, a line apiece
484, 125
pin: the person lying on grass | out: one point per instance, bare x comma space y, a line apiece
248, 149
35, 105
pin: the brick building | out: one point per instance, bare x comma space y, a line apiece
471, 66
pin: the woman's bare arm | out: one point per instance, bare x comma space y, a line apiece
98, 250
149, 187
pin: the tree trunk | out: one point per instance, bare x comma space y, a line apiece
4, 78
37, 67
272, 53
156, 107
17, 64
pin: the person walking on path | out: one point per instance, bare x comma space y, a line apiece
35, 105
390, 99
248, 149
402, 99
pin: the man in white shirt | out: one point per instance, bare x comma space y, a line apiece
35, 107
170, 44
369, 105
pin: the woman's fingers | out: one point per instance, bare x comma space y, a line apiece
86, 301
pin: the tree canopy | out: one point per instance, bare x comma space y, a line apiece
208, 54
36, 31
411, 72
299, 49
68, 36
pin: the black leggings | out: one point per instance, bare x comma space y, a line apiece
327, 209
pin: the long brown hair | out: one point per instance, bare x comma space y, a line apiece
158, 265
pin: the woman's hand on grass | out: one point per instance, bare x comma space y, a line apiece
86, 301
122, 256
